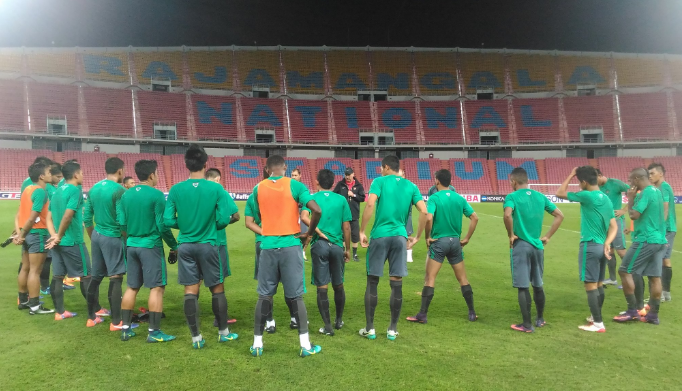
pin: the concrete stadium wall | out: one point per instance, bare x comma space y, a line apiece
222, 152
311, 153
538, 154
16, 144
443, 154
647, 153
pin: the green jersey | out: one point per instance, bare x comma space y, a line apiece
198, 208
102, 206
335, 211
301, 195
249, 210
433, 189
38, 199
68, 197
669, 197
141, 215
528, 207
222, 237
447, 208
26, 183
596, 212
614, 189
50, 189
391, 213
650, 226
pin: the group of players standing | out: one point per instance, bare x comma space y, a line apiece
133, 224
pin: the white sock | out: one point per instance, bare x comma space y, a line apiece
294, 320
409, 255
197, 338
35, 308
270, 323
304, 255
599, 325
224, 332
305, 341
257, 341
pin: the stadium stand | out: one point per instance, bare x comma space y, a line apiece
215, 117
531, 72
349, 119
441, 122
14, 165
162, 107
584, 70
264, 115
420, 172
639, 72
303, 165
108, 66
399, 117
371, 168
129, 159
212, 70
109, 112
677, 101
505, 166
486, 115
92, 166
392, 71
348, 71
162, 65
436, 72
337, 165
537, 120
258, 68
645, 117
471, 176
52, 64
590, 112
674, 66
12, 109
10, 62
180, 172
242, 174
673, 171
619, 167
482, 70
305, 72
559, 168
54, 101
309, 121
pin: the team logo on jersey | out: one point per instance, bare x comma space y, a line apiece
447, 194
195, 184
527, 193
397, 179
326, 194
138, 189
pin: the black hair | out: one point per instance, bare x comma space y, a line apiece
274, 161
195, 158
56, 169
444, 177
35, 170
392, 162
42, 159
657, 166
70, 168
598, 172
212, 173
112, 165
326, 178
144, 169
266, 174
126, 179
587, 174
519, 175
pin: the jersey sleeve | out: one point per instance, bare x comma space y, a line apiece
468, 210
622, 186
88, 213
170, 218
416, 195
375, 187
549, 206
509, 202
300, 192
248, 209
39, 198
431, 205
164, 230
121, 216
643, 202
225, 208
576, 197
347, 216
667, 193
74, 198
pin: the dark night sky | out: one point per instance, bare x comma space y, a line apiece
644, 26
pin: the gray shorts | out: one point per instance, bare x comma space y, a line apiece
108, 255
619, 242
670, 237
391, 248
71, 261
34, 243
146, 266
527, 265
355, 231
447, 247
591, 262
645, 259
328, 263
224, 259
255, 263
200, 261
283, 264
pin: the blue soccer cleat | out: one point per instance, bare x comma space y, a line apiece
314, 349
256, 352
228, 337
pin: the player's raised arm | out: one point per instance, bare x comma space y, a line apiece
563, 189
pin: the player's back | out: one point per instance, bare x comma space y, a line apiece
614, 189
32, 198
68, 197
447, 207
650, 226
102, 199
596, 212
529, 207
195, 202
143, 207
396, 196
335, 211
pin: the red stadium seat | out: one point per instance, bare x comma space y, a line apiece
471, 176
559, 168
14, 165
129, 159
349, 119
619, 167
162, 107
109, 112
92, 165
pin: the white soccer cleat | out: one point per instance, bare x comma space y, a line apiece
594, 327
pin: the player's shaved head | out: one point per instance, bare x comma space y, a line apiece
212, 173
519, 175
639, 178
266, 173
274, 161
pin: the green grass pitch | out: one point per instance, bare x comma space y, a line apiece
447, 353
